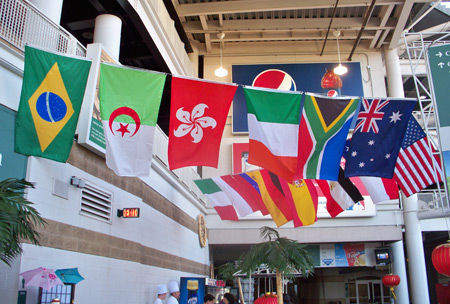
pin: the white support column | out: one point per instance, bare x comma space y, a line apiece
399, 268
50, 8
413, 233
393, 73
414, 249
107, 32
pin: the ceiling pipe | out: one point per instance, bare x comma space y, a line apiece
329, 27
363, 26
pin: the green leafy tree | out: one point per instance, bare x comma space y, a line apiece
18, 219
284, 256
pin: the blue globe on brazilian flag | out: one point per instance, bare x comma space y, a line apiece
50, 102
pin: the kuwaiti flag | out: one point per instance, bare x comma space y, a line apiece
273, 123
129, 106
217, 198
324, 126
198, 113
341, 194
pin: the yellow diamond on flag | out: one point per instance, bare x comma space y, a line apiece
50, 107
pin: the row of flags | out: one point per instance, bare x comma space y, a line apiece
239, 195
294, 136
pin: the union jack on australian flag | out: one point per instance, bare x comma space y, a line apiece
377, 137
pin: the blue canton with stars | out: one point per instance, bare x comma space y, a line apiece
414, 133
373, 151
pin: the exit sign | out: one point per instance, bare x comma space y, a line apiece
128, 212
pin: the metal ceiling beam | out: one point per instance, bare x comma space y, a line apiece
402, 20
366, 19
243, 6
384, 16
329, 27
303, 24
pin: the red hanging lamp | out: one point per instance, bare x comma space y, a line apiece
268, 298
441, 259
391, 281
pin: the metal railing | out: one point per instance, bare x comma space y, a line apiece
21, 24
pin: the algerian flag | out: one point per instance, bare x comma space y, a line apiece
129, 106
217, 198
273, 124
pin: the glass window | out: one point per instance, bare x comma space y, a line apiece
65, 293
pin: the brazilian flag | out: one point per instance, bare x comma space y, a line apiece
52, 92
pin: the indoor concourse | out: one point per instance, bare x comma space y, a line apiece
127, 234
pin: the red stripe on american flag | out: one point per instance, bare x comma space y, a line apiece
414, 170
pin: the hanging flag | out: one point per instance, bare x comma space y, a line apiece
253, 190
415, 165
341, 194
129, 106
198, 113
218, 199
272, 195
52, 92
302, 199
323, 131
237, 195
377, 137
273, 119
380, 189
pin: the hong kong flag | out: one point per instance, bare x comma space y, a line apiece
198, 113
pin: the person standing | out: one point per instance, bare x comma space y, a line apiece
209, 299
228, 298
162, 293
174, 291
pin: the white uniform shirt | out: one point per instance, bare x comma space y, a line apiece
172, 300
158, 301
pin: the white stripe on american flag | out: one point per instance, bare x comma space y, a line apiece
414, 170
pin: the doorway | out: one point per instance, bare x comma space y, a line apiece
369, 292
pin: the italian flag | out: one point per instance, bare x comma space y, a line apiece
218, 199
273, 125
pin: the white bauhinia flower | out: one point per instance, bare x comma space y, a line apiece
194, 122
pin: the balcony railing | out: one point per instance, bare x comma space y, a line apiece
21, 23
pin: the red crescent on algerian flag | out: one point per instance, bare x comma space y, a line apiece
125, 111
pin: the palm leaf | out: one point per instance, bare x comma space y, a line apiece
18, 219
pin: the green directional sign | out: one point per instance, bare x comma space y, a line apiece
439, 60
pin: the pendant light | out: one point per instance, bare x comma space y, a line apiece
221, 72
340, 69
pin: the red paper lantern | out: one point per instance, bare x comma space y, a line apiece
268, 298
391, 280
441, 259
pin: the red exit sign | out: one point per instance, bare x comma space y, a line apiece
128, 212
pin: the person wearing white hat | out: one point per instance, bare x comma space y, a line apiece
162, 293
174, 291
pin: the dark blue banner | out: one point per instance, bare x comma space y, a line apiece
306, 77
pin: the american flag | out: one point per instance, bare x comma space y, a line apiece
415, 165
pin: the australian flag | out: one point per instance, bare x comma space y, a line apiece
377, 138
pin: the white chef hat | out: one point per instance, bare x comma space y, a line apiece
161, 289
173, 286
